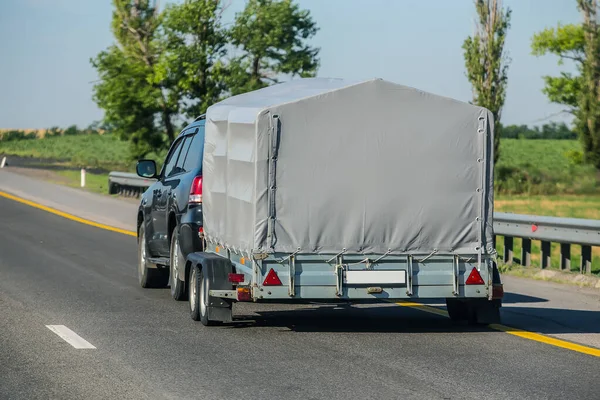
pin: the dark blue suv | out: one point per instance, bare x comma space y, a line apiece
169, 218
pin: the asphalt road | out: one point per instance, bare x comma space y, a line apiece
54, 271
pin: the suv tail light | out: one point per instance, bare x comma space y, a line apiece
196, 191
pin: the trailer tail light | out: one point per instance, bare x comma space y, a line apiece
474, 278
497, 291
272, 279
243, 294
196, 191
236, 278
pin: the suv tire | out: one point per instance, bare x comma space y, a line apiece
175, 258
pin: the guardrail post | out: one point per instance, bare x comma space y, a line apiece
545, 254
526, 253
565, 256
508, 249
586, 260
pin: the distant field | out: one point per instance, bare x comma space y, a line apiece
90, 151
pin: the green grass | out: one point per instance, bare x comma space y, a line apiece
97, 183
555, 254
567, 206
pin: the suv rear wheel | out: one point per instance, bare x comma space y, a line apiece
175, 259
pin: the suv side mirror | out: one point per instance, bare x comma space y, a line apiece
146, 169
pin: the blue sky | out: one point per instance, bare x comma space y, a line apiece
45, 48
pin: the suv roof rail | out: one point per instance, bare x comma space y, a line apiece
200, 118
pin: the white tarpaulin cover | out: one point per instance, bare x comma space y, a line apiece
322, 165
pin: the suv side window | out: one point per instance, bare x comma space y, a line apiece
179, 167
172, 159
194, 153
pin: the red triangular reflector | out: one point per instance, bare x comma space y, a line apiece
474, 278
272, 279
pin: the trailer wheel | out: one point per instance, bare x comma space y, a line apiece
198, 296
148, 277
176, 257
485, 312
476, 312
457, 310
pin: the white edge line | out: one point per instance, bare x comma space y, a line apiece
70, 337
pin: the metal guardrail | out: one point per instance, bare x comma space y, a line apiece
127, 184
548, 230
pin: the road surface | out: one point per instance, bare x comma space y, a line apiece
54, 271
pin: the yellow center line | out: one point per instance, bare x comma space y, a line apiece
67, 215
547, 340
536, 337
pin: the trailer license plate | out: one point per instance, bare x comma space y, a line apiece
366, 277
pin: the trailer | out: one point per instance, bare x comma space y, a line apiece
324, 190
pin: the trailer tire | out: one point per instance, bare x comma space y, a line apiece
477, 312
148, 277
485, 312
198, 296
457, 310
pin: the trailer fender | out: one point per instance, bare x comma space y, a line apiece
216, 270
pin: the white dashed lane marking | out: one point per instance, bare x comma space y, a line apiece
70, 337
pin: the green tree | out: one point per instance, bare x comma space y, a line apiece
486, 64
589, 100
580, 44
566, 42
271, 36
136, 100
196, 45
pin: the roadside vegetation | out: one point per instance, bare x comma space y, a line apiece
555, 256
543, 167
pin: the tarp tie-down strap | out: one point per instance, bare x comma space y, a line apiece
290, 256
434, 252
368, 261
337, 255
